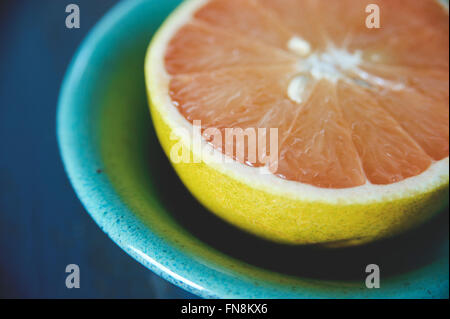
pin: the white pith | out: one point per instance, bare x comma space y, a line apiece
437, 175
299, 46
330, 64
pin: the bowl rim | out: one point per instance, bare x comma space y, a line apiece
97, 194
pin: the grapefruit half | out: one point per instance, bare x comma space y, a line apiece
361, 113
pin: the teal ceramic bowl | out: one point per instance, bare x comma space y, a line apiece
119, 172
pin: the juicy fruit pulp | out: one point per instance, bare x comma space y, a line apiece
352, 105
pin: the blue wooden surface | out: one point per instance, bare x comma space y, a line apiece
43, 226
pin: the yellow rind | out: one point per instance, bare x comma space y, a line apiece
289, 220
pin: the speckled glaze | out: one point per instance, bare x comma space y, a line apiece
117, 167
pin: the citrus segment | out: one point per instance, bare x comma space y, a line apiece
430, 82
298, 17
316, 147
431, 131
244, 17
388, 153
224, 99
199, 48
